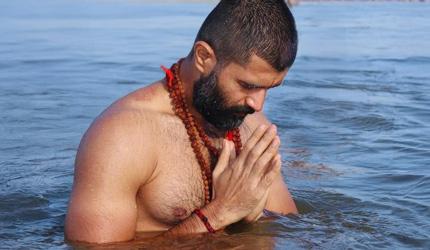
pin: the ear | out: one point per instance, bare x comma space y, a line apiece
204, 57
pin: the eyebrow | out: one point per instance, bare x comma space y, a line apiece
249, 85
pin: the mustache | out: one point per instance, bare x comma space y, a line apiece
241, 109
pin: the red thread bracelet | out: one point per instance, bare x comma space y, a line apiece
205, 220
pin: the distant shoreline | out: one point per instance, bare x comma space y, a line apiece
416, 1
297, 2
289, 1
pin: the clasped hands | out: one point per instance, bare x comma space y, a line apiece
241, 184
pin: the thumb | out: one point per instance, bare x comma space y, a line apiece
223, 159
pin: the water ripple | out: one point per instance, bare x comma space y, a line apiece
353, 115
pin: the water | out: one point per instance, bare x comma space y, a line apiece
353, 114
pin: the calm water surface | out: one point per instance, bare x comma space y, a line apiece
353, 114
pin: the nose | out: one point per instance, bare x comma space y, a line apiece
256, 100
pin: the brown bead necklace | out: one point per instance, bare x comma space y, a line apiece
194, 130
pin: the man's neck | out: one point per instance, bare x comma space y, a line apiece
189, 75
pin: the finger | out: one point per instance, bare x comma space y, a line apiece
261, 146
232, 153
274, 171
253, 139
275, 163
269, 155
272, 164
224, 158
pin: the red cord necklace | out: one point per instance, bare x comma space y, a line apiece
194, 130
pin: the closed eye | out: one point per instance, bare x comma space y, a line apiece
249, 86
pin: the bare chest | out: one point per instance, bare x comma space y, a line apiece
176, 188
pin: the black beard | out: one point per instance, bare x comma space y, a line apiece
212, 105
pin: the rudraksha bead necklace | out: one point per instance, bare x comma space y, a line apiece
195, 132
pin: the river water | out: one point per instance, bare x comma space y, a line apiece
353, 115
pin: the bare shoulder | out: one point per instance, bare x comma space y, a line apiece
252, 122
153, 97
116, 156
123, 135
256, 119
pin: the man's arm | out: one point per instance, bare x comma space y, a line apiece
277, 199
108, 174
280, 199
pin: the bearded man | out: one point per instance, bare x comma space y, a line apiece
193, 152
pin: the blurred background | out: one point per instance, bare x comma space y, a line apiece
353, 115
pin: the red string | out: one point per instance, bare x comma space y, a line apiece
169, 76
205, 220
229, 135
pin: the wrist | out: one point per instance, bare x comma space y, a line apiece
216, 215
205, 220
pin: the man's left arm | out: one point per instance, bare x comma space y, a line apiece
279, 199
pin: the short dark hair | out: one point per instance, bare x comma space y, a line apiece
236, 29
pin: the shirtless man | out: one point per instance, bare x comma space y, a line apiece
136, 170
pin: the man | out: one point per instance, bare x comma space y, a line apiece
146, 162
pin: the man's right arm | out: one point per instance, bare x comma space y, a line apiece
108, 174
